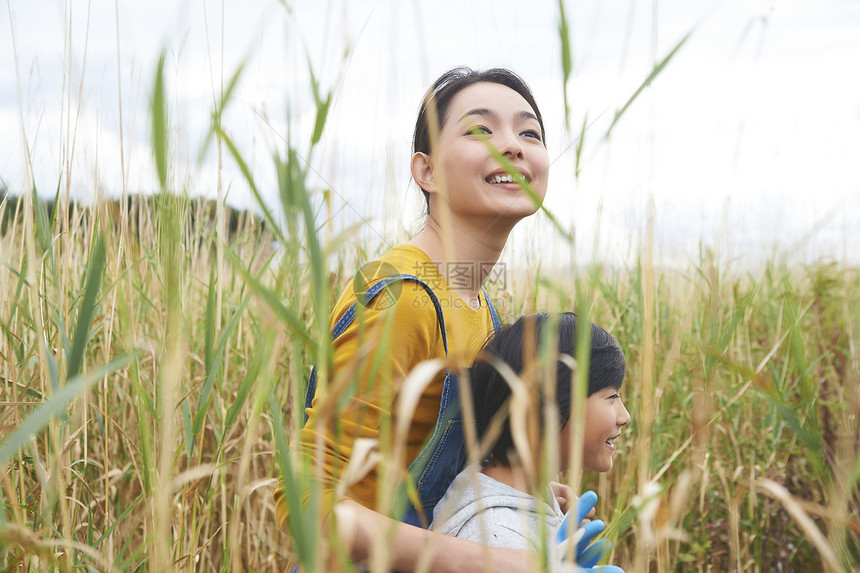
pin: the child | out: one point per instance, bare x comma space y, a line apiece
494, 506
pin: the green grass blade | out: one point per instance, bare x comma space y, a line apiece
187, 426
566, 59
654, 73
158, 111
15, 307
44, 235
246, 173
56, 404
810, 438
270, 298
53, 370
301, 520
206, 392
218, 112
228, 93
578, 161
86, 309
322, 105
145, 411
316, 256
211, 300
254, 368
118, 520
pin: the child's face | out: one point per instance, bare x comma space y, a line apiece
605, 415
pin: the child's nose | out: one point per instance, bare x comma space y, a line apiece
623, 415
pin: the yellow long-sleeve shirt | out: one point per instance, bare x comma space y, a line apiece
398, 330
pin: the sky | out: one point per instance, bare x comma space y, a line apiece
747, 142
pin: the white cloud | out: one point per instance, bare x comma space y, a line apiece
751, 131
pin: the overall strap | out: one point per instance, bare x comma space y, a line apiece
496, 323
444, 453
364, 298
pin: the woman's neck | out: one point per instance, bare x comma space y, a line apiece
465, 255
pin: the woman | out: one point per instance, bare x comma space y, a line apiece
439, 311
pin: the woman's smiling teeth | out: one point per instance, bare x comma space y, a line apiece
506, 178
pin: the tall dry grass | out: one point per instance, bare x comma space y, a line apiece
139, 432
152, 365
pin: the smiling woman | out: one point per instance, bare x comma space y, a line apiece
467, 120
465, 174
477, 111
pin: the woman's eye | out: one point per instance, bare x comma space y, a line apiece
479, 129
532, 133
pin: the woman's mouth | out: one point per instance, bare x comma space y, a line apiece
503, 177
506, 178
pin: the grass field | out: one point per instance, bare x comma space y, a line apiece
151, 365
152, 356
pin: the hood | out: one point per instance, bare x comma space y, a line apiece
472, 492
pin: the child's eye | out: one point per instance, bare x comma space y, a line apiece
532, 133
615, 396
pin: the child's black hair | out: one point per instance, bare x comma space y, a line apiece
490, 390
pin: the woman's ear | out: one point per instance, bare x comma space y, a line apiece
422, 172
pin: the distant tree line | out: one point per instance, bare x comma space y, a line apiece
199, 213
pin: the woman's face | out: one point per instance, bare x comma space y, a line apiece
464, 168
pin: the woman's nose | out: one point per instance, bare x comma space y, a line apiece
511, 146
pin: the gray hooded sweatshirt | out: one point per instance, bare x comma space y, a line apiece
496, 514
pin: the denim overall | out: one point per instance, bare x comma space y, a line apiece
444, 454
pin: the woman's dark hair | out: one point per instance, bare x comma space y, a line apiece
450, 84
491, 392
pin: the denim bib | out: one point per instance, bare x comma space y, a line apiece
444, 453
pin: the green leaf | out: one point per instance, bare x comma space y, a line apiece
254, 368
301, 520
218, 112
209, 334
86, 309
187, 426
322, 105
246, 173
22, 282
56, 404
579, 144
808, 437
206, 392
566, 58
271, 299
118, 520
654, 73
320, 119
158, 111
145, 411
43, 226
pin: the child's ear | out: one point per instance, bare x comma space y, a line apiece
422, 172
